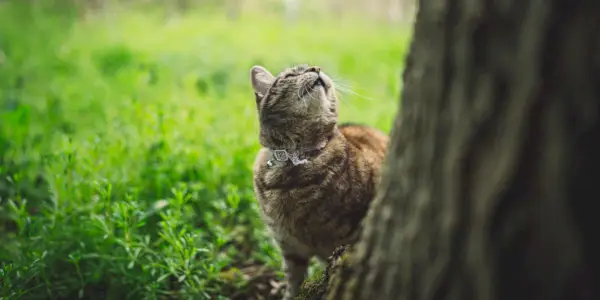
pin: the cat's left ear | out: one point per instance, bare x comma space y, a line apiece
261, 80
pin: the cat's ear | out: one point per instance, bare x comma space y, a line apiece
261, 80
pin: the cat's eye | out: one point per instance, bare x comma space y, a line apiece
288, 75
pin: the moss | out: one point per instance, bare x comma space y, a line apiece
314, 288
317, 287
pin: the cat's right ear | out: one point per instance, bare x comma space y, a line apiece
261, 80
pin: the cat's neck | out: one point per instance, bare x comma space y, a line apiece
277, 138
301, 154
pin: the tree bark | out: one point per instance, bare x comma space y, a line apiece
494, 162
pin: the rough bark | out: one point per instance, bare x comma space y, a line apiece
495, 159
317, 287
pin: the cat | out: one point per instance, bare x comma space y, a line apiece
313, 179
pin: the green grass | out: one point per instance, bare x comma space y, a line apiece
126, 145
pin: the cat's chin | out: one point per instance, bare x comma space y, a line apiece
327, 83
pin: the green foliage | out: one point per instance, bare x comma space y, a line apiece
126, 145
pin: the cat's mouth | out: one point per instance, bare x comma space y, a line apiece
319, 82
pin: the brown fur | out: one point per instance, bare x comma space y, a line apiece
315, 207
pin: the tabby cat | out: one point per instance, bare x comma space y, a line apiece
313, 179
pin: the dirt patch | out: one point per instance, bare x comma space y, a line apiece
253, 282
259, 282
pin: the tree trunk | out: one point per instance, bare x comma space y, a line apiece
495, 159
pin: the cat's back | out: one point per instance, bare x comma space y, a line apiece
371, 141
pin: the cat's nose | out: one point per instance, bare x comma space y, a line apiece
314, 69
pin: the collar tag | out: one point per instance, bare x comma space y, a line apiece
281, 155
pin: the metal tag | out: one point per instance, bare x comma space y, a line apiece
280, 155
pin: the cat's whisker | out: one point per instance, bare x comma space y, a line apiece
313, 97
310, 95
344, 89
349, 91
341, 97
343, 86
338, 80
298, 92
303, 98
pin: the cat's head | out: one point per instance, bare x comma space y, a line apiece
296, 108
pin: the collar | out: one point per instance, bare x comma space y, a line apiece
293, 155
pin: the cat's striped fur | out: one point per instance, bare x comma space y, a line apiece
314, 207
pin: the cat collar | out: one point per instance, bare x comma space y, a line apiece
283, 155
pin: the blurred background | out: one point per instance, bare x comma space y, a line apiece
128, 130
292, 10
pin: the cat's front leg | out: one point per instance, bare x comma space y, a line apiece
294, 267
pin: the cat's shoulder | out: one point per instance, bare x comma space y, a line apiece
363, 136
